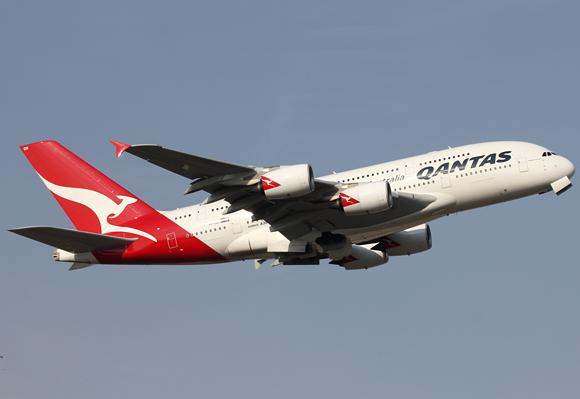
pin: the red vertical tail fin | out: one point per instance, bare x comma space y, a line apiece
92, 201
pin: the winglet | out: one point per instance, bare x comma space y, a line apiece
120, 147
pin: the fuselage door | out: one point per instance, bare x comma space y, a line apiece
172, 240
523, 164
409, 167
201, 212
445, 180
236, 225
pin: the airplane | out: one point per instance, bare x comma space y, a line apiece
357, 219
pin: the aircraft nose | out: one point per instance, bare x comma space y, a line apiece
568, 168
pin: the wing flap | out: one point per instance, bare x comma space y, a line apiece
72, 240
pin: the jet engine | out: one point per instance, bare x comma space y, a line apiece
362, 258
366, 198
287, 182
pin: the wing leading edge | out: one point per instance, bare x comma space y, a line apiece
186, 165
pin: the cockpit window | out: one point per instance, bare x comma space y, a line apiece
548, 154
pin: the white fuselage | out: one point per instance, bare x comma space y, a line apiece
461, 178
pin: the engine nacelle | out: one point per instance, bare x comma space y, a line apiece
362, 258
288, 182
411, 241
366, 198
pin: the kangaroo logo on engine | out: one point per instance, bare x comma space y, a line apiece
269, 183
347, 200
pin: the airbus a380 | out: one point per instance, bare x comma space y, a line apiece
357, 218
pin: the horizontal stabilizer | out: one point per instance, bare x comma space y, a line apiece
72, 240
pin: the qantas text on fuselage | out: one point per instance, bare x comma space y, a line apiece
491, 159
356, 219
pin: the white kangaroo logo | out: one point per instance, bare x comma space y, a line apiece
100, 204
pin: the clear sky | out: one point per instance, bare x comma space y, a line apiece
492, 311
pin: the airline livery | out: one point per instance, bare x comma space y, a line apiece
357, 219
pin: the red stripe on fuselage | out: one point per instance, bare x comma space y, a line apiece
189, 248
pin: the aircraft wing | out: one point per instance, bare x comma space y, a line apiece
186, 165
242, 187
212, 175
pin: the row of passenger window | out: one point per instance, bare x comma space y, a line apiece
397, 169
189, 215
482, 171
202, 232
370, 175
414, 185
444, 159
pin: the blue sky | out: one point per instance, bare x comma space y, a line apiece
491, 311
